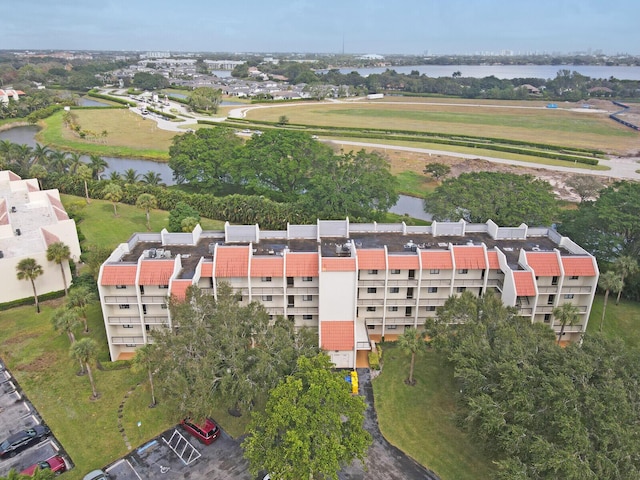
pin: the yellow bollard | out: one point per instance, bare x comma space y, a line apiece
354, 382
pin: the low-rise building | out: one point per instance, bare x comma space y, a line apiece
30, 220
355, 283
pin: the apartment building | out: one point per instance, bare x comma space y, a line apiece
30, 220
354, 283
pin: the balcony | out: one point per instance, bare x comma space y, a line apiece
370, 301
405, 282
154, 299
302, 310
127, 340
302, 290
548, 289
444, 282
123, 320
121, 300
370, 283
578, 290
155, 320
267, 291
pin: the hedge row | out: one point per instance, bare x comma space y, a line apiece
31, 301
162, 114
43, 113
122, 101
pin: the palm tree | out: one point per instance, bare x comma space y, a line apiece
626, 266
40, 154
131, 176
146, 201
412, 341
609, 281
85, 351
66, 320
566, 314
29, 269
79, 299
84, 172
39, 172
59, 253
113, 193
152, 178
113, 176
59, 161
98, 165
144, 359
75, 161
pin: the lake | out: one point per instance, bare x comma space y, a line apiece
26, 135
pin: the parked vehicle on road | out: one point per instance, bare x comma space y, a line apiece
56, 464
23, 439
206, 433
96, 475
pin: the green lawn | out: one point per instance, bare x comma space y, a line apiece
101, 227
621, 321
420, 420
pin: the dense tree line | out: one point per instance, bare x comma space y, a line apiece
543, 411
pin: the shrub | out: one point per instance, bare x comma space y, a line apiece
374, 360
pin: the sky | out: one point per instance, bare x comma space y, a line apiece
325, 26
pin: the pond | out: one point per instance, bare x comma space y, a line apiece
411, 206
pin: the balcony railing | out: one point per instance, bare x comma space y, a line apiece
155, 319
371, 283
123, 320
405, 282
127, 340
370, 301
363, 346
302, 290
586, 289
154, 299
548, 289
120, 299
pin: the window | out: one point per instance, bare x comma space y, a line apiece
142, 289
125, 306
267, 298
371, 327
391, 327
461, 289
574, 277
372, 290
289, 281
394, 290
395, 272
121, 287
568, 296
372, 272
265, 279
554, 280
434, 271
144, 309
392, 309
163, 286
552, 299
432, 290
130, 345
127, 326
164, 306
147, 328
307, 279
290, 300
463, 271
431, 308
290, 317
412, 274
371, 309
547, 317
307, 317
307, 298
407, 311
409, 292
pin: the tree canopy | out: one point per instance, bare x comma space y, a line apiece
225, 352
312, 425
205, 98
543, 411
506, 198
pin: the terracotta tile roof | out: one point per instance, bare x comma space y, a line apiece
4, 213
578, 266
525, 284
544, 264
179, 288
60, 214
404, 262
371, 259
32, 188
302, 264
339, 264
337, 335
13, 176
494, 264
436, 259
469, 257
207, 269
54, 201
267, 267
156, 272
119, 275
232, 261
49, 237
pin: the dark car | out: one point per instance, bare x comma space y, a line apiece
206, 432
55, 464
23, 439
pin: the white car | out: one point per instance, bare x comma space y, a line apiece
96, 475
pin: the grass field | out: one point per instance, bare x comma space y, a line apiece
420, 420
621, 321
555, 127
128, 135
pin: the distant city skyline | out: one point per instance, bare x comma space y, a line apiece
311, 26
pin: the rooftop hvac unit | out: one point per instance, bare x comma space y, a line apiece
13, 209
18, 232
1, 254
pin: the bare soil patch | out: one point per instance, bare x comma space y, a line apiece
39, 364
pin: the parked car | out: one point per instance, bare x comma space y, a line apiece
56, 464
206, 432
96, 475
23, 439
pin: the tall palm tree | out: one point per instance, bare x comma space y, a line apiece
144, 359
21, 160
38, 171
85, 351
115, 176
79, 299
29, 269
131, 176
113, 193
66, 320
98, 165
40, 154
59, 161
626, 266
152, 178
412, 341
146, 201
566, 314
609, 281
75, 160
84, 172
58, 252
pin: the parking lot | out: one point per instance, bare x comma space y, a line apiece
16, 414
